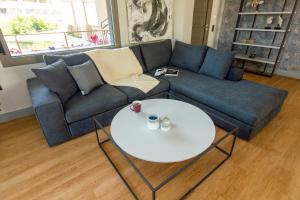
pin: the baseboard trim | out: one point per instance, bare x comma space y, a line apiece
16, 114
291, 74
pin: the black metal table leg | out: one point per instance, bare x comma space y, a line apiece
171, 176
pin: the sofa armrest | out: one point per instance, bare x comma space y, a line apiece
49, 112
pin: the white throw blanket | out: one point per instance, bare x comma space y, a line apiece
120, 67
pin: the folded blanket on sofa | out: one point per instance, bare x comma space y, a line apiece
119, 67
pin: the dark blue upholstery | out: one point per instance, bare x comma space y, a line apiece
235, 74
102, 99
188, 56
217, 63
58, 79
136, 94
49, 112
245, 132
243, 100
246, 104
71, 59
157, 54
83, 126
138, 54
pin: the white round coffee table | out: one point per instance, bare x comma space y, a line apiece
192, 131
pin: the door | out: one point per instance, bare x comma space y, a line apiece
215, 23
201, 21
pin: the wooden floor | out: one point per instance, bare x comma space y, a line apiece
268, 167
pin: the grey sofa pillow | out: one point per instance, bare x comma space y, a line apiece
58, 79
217, 63
86, 76
70, 60
157, 54
235, 74
188, 56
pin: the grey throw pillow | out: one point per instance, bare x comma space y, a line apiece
58, 79
217, 63
86, 76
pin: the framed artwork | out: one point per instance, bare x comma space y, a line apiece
149, 20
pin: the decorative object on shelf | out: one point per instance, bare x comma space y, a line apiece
269, 60
243, 40
251, 41
252, 55
248, 41
279, 25
269, 22
255, 3
149, 20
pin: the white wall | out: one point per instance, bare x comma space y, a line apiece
14, 95
216, 20
13, 79
182, 15
183, 20
123, 22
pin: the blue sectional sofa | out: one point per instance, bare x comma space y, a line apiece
248, 105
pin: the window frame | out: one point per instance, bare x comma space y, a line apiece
8, 60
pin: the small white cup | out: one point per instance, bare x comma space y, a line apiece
153, 122
165, 124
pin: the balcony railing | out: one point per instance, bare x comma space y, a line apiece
40, 42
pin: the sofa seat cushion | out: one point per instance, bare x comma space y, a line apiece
246, 101
100, 100
136, 94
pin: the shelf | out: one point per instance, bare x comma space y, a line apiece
256, 59
257, 45
261, 30
246, 24
266, 13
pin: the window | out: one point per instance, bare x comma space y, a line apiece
30, 28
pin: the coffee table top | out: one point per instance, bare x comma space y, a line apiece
192, 131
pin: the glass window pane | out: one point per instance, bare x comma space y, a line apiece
35, 26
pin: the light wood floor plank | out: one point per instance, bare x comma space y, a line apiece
267, 167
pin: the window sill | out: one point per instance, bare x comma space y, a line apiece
32, 58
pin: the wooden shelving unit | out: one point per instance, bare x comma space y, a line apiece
266, 62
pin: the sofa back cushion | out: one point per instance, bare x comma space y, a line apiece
217, 63
86, 76
70, 60
235, 74
188, 56
136, 49
157, 54
58, 79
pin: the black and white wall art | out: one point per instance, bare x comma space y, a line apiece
149, 20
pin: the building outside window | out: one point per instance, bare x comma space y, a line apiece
41, 26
